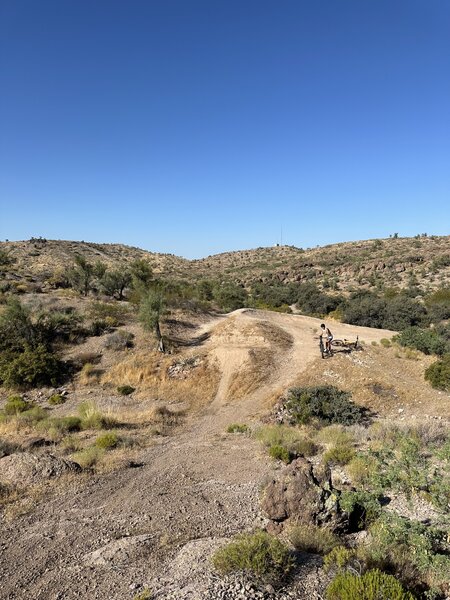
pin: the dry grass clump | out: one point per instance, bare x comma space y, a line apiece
148, 372
90, 375
313, 539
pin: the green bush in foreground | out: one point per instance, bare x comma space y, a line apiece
373, 585
326, 404
258, 554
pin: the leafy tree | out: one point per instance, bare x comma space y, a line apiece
81, 275
151, 309
230, 296
141, 274
115, 282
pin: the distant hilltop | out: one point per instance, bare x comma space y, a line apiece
393, 262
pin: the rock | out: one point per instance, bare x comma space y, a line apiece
25, 468
304, 496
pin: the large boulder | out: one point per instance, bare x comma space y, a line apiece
23, 468
300, 494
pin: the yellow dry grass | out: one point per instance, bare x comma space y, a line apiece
148, 372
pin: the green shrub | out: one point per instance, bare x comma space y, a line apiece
326, 404
427, 341
258, 554
340, 454
116, 313
16, 405
56, 399
438, 374
280, 453
237, 428
294, 442
88, 457
392, 539
363, 508
313, 539
33, 367
362, 469
125, 390
32, 417
146, 594
373, 585
107, 441
385, 343
339, 558
61, 425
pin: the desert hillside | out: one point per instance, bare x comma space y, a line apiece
370, 263
131, 473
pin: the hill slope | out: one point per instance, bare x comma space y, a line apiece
370, 263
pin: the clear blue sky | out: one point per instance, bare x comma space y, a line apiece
195, 127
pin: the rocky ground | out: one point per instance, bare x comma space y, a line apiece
154, 522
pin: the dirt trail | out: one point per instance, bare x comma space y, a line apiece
198, 483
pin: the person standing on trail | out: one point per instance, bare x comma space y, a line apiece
328, 336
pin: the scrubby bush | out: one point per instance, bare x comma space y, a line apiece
115, 313
237, 428
427, 341
313, 301
56, 399
280, 453
392, 539
339, 454
285, 443
438, 374
339, 558
326, 404
88, 457
61, 425
313, 539
259, 555
362, 469
372, 585
119, 340
230, 296
31, 368
362, 507
15, 405
125, 390
107, 441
